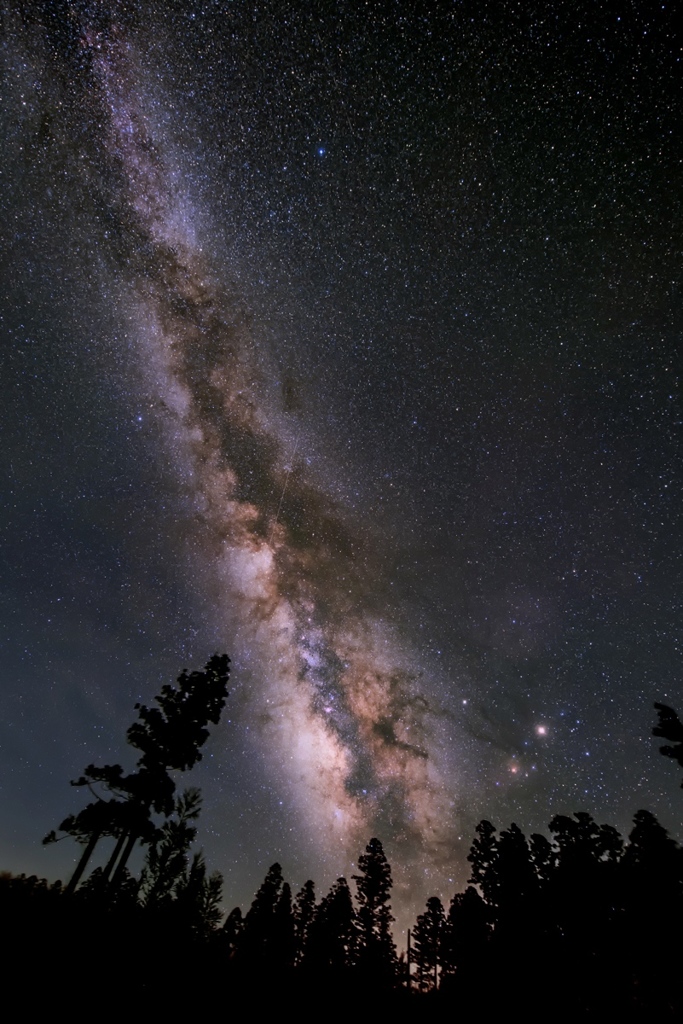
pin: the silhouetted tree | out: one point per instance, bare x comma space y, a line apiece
171, 734
542, 856
95, 821
670, 727
255, 949
583, 901
304, 912
166, 863
96, 891
231, 932
483, 858
197, 899
583, 844
516, 879
427, 936
652, 850
653, 869
169, 737
376, 950
283, 948
466, 933
331, 945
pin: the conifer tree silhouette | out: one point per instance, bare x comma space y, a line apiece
466, 933
304, 912
256, 946
283, 947
197, 899
427, 939
516, 881
483, 858
231, 932
376, 950
332, 936
166, 862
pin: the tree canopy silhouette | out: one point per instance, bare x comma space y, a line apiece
169, 737
376, 949
670, 727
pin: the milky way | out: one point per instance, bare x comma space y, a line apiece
349, 730
348, 342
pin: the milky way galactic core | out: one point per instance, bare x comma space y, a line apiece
344, 718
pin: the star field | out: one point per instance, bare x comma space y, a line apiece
347, 341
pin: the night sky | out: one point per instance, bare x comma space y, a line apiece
343, 338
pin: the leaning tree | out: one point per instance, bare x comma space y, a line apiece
169, 737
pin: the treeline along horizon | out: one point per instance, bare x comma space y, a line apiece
585, 922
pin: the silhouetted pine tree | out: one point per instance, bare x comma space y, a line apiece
583, 888
376, 956
332, 934
197, 901
167, 857
283, 947
466, 934
304, 912
652, 868
542, 857
231, 933
516, 887
483, 857
653, 855
427, 938
256, 944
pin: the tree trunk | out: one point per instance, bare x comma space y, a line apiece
121, 866
114, 857
83, 863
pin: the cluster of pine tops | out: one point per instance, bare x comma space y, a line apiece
583, 923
